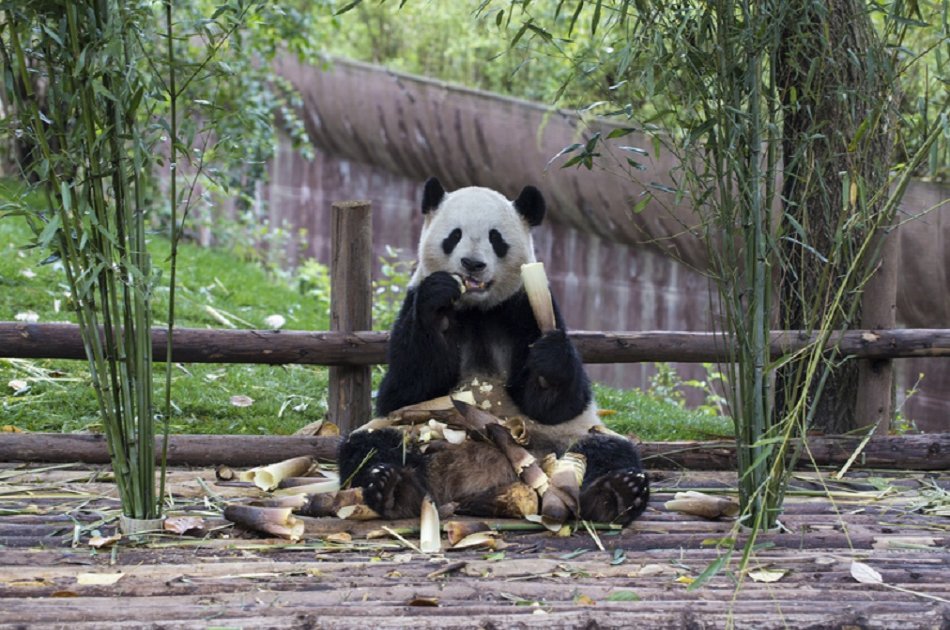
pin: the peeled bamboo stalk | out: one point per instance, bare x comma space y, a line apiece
317, 487
268, 477
269, 520
430, 534
539, 295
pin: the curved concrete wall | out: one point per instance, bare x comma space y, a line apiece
381, 133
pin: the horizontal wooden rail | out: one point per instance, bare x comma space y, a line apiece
928, 451
194, 345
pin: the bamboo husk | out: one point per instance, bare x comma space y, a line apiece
488, 539
518, 428
475, 420
457, 530
348, 504
275, 521
704, 505
292, 501
539, 295
562, 499
318, 505
359, 512
430, 536
518, 500
523, 462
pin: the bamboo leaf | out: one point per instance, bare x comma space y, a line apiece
714, 568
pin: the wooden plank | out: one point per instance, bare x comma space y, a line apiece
364, 347
351, 300
927, 451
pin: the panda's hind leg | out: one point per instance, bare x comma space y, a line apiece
615, 487
391, 473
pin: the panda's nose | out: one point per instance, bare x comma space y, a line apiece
472, 265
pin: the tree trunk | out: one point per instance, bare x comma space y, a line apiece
837, 141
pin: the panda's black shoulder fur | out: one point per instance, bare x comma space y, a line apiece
546, 378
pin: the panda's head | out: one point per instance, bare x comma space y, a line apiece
479, 235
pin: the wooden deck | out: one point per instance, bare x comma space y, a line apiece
225, 578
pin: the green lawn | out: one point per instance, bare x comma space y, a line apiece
217, 288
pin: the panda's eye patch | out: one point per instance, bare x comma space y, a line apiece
450, 241
498, 243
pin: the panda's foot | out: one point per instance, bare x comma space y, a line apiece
393, 491
617, 496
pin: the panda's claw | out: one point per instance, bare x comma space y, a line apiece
393, 492
617, 496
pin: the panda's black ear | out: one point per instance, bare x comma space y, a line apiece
432, 195
530, 205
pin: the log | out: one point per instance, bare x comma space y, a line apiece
926, 451
196, 345
20, 340
351, 300
183, 450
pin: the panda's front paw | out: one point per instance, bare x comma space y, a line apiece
393, 491
436, 295
617, 496
553, 357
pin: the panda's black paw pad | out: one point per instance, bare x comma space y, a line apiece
393, 492
618, 496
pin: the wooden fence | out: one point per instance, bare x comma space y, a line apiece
350, 351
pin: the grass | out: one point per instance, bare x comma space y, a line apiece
216, 289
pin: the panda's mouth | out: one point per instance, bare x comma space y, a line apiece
473, 285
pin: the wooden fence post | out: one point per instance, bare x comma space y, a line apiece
351, 299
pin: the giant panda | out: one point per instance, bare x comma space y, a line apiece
466, 319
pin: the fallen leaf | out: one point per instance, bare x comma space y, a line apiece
98, 579
9, 428
98, 542
870, 336
623, 596
584, 600
275, 322
30, 317
767, 575
340, 537
18, 386
182, 524
865, 574
423, 601
37, 583
242, 401
685, 579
